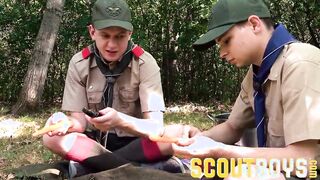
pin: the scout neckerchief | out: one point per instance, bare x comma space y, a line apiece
112, 74
279, 39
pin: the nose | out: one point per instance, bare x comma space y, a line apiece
112, 42
223, 53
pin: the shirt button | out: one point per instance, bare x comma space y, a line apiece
90, 87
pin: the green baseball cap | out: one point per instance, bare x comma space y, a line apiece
225, 14
108, 13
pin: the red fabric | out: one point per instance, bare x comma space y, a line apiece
151, 150
81, 149
137, 51
86, 52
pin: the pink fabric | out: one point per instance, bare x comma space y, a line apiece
151, 150
81, 149
137, 51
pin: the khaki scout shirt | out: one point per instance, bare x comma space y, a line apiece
137, 90
292, 92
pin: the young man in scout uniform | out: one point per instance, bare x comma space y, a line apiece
280, 94
119, 80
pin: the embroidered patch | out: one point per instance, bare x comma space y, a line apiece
113, 10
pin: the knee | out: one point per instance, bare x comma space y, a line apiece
59, 144
53, 144
49, 142
165, 148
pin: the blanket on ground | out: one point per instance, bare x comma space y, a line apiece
59, 170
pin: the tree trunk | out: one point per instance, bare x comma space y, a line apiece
34, 80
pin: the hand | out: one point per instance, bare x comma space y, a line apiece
56, 118
179, 131
174, 133
202, 147
109, 119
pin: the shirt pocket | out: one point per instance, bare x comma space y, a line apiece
275, 133
129, 95
275, 127
94, 97
95, 100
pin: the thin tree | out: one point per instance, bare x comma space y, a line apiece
34, 81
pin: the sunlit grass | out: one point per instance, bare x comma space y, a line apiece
21, 148
24, 150
198, 119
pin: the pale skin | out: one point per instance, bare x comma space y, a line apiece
252, 37
112, 43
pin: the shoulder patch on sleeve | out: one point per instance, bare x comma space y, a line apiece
86, 52
137, 51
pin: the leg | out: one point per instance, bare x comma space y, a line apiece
142, 150
73, 146
78, 147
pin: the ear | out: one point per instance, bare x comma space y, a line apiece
255, 23
130, 33
91, 31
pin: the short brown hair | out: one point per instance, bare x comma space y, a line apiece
268, 22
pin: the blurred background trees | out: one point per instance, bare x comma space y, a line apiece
165, 28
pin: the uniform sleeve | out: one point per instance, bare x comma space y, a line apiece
150, 88
301, 101
242, 115
74, 96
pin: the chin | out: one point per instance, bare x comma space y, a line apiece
239, 65
111, 58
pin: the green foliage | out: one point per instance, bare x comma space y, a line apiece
301, 17
165, 28
19, 25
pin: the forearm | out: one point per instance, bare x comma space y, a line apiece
141, 127
224, 133
304, 149
289, 159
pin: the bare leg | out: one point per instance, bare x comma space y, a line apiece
75, 143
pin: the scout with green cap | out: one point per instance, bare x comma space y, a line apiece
121, 82
280, 95
225, 14
112, 19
